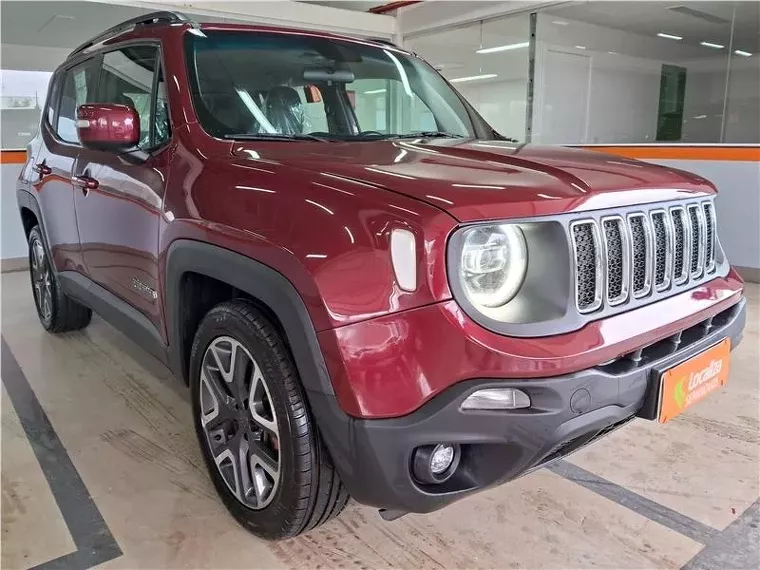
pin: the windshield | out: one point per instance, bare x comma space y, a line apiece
289, 86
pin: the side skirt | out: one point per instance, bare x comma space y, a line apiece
118, 313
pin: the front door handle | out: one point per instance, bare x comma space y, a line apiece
86, 183
42, 169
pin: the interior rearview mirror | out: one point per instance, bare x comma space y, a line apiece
322, 74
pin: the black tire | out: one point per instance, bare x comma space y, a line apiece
309, 491
57, 312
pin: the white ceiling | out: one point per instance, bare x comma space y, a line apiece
620, 27
59, 24
648, 18
358, 5
66, 24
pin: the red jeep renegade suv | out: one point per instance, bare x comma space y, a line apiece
369, 291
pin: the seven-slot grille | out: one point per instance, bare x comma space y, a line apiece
620, 259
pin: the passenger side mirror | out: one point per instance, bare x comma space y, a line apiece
107, 126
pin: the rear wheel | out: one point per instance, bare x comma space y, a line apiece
57, 312
259, 441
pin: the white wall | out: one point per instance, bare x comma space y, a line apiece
502, 104
12, 241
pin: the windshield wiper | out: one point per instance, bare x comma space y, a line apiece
428, 135
273, 137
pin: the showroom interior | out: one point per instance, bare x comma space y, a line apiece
582, 102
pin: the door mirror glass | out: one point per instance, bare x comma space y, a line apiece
108, 126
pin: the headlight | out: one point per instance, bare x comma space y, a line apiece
493, 264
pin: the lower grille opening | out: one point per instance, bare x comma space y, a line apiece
670, 345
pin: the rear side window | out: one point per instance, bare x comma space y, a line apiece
132, 76
55, 90
78, 87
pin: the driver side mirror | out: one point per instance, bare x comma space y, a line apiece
106, 126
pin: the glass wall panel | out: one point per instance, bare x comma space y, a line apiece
627, 72
742, 124
22, 97
487, 62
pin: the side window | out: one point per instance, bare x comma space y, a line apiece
127, 78
315, 115
380, 105
162, 130
370, 100
77, 90
52, 102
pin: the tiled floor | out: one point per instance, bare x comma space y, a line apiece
126, 425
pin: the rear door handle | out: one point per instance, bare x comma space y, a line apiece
42, 169
86, 183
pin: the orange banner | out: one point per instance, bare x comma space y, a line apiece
12, 157
729, 153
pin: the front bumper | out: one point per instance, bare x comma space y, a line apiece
374, 457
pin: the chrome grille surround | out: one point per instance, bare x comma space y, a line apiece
662, 230
682, 245
617, 252
663, 249
711, 234
587, 254
641, 256
699, 241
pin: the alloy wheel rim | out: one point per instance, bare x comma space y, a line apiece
238, 419
42, 280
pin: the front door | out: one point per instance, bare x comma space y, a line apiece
119, 217
54, 163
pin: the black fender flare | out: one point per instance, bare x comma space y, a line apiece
27, 200
265, 284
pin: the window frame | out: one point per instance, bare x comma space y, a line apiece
154, 43
60, 74
53, 99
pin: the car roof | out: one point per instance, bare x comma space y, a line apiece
147, 25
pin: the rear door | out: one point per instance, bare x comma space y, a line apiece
54, 162
119, 220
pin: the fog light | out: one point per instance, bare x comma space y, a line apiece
496, 399
434, 464
441, 458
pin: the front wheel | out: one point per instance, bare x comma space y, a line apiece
258, 439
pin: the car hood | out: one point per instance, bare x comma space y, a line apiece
481, 180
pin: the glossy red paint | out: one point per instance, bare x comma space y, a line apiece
392, 365
477, 180
321, 214
105, 126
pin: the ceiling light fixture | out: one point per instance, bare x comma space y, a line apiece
507, 47
473, 78
669, 36
711, 45
742, 53
374, 92
580, 47
559, 23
